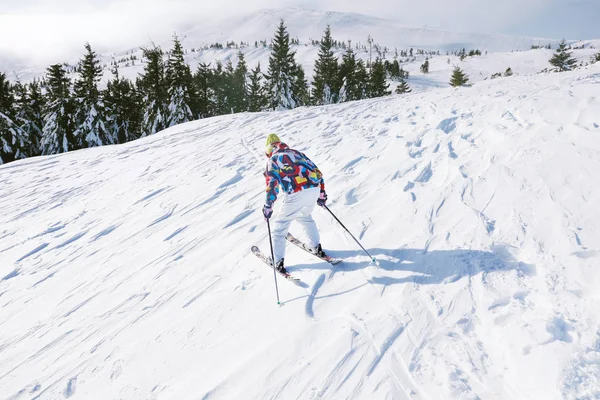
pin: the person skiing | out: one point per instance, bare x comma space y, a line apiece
303, 185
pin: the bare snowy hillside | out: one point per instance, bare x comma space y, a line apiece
309, 24
125, 271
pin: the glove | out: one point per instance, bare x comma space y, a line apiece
267, 211
322, 199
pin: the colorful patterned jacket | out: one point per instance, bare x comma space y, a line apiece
291, 170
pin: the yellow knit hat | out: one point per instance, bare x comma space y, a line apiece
272, 138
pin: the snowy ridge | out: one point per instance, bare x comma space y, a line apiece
310, 24
125, 271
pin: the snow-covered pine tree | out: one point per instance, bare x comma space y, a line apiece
257, 100
378, 85
57, 133
90, 114
239, 85
123, 107
354, 78
282, 77
459, 78
30, 104
12, 139
180, 87
153, 87
403, 87
562, 58
346, 72
203, 85
425, 67
362, 78
326, 79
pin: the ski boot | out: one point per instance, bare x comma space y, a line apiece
318, 251
280, 268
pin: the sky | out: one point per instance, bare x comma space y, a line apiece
44, 31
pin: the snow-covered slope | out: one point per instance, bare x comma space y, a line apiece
125, 271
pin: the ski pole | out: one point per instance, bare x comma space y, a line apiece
273, 261
350, 233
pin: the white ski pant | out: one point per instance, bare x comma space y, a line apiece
296, 206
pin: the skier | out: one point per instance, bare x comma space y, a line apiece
303, 185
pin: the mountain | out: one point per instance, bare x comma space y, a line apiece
261, 25
126, 271
305, 25
309, 24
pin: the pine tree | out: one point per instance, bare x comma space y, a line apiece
220, 84
239, 85
596, 58
508, 72
257, 100
378, 85
282, 77
12, 144
90, 115
347, 72
227, 84
425, 67
122, 109
562, 58
29, 117
203, 84
393, 69
58, 131
301, 85
326, 83
362, 78
354, 78
180, 87
459, 78
403, 87
154, 89
403, 74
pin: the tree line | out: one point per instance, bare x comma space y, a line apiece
59, 114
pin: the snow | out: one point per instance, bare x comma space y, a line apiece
311, 24
307, 24
126, 272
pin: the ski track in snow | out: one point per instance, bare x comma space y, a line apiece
125, 271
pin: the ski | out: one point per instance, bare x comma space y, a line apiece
303, 246
267, 261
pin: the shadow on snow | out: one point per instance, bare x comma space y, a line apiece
426, 268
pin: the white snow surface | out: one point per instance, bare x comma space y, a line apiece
125, 271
